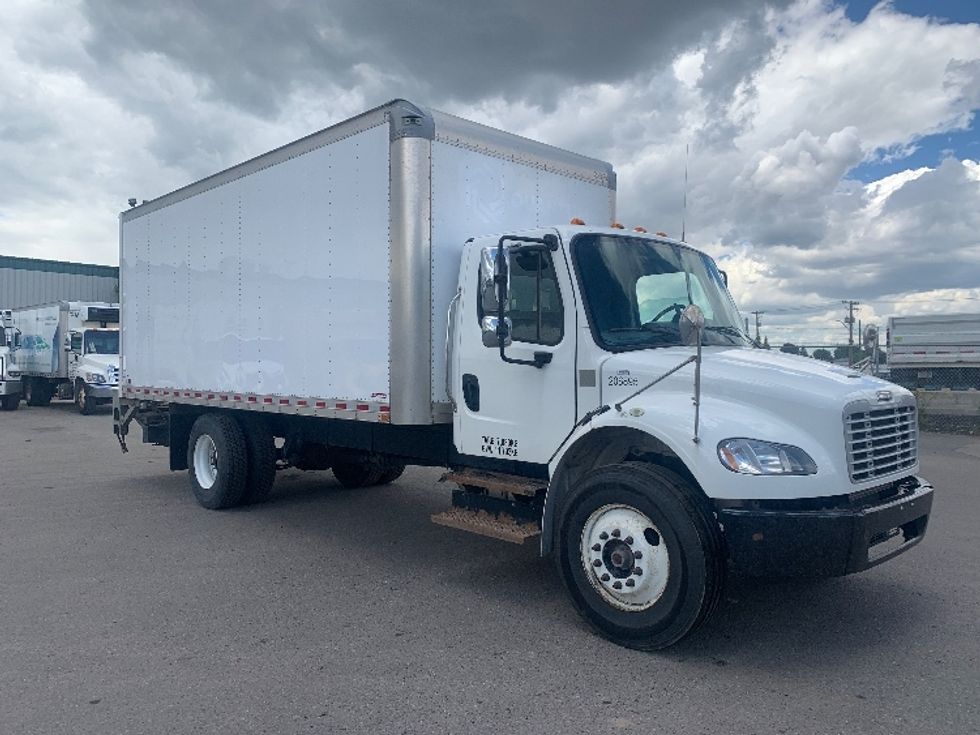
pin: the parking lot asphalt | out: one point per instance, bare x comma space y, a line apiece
126, 608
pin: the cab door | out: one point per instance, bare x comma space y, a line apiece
509, 412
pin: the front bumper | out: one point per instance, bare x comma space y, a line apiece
826, 537
9, 387
101, 392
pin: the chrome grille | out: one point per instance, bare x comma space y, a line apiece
880, 441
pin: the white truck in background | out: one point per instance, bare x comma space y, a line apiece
67, 349
934, 351
9, 339
585, 384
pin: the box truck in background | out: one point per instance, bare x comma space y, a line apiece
585, 384
935, 351
67, 349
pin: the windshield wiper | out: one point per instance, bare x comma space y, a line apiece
727, 331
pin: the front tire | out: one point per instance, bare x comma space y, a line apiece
641, 555
85, 403
216, 461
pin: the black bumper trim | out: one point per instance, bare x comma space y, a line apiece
827, 542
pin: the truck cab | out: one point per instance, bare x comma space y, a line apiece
9, 342
576, 356
93, 366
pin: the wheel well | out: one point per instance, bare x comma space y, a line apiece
605, 446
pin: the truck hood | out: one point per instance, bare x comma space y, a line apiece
101, 363
753, 394
744, 375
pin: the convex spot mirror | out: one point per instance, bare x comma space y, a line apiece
691, 324
491, 333
492, 270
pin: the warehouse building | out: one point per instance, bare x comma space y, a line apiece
30, 281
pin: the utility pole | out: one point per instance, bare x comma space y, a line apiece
758, 323
849, 323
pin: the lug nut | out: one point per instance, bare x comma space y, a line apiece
637, 554
603, 535
617, 585
615, 533
597, 547
597, 563
637, 571
629, 540
630, 582
604, 577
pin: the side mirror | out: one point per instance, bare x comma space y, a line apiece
489, 290
691, 324
724, 277
490, 325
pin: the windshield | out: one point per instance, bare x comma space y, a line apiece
101, 342
635, 290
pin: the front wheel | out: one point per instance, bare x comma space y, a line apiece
641, 555
84, 402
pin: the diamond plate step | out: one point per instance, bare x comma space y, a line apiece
496, 481
502, 527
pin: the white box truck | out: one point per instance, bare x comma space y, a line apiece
934, 351
9, 386
584, 384
67, 349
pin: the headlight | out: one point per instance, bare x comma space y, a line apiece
754, 457
94, 378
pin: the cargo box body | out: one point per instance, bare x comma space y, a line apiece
316, 279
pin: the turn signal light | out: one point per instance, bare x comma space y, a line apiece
577, 221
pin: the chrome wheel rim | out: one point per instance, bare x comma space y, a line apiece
625, 557
205, 461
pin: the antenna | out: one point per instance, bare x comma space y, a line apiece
687, 155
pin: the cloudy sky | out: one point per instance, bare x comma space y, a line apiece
834, 148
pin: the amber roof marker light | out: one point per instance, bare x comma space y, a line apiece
577, 221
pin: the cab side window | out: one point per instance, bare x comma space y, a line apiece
535, 307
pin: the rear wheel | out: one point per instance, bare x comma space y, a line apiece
10, 402
261, 473
216, 458
393, 470
36, 392
358, 471
641, 555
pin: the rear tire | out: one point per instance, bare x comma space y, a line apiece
630, 517
10, 402
261, 472
393, 470
355, 472
36, 392
216, 461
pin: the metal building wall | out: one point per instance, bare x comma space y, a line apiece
29, 281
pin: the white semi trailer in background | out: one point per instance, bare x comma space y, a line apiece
584, 383
67, 349
935, 351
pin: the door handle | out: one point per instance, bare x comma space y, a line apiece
471, 391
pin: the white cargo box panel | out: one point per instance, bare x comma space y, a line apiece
936, 338
316, 278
